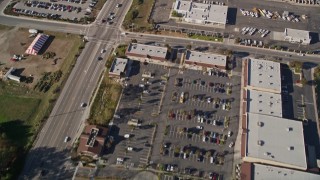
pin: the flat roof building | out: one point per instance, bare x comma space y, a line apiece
200, 13
254, 171
263, 75
118, 67
206, 59
275, 141
266, 103
143, 52
297, 36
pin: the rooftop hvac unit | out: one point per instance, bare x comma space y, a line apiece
290, 148
260, 142
259, 123
289, 129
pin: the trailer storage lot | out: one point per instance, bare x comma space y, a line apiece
191, 137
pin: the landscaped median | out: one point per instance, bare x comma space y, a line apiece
206, 38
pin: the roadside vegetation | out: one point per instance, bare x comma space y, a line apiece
108, 94
206, 38
137, 17
23, 109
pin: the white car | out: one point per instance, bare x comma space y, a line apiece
83, 104
209, 100
66, 139
211, 160
146, 92
199, 127
127, 136
229, 133
231, 144
130, 148
102, 51
118, 5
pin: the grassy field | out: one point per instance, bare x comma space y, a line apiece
138, 15
108, 94
23, 110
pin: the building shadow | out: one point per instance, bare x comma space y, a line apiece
46, 45
232, 16
314, 37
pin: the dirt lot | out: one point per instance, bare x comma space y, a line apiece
16, 41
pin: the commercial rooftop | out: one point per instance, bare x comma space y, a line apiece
260, 171
147, 51
202, 13
266, 103
297, 36
118, 66
206, 58
276, 141
264, 75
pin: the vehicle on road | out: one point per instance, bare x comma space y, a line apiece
126, 136
66, 139
199, 127
118, 5
229, 133
83, 104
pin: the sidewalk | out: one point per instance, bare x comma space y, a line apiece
237, 147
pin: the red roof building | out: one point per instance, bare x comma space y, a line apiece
92, 140
37, 44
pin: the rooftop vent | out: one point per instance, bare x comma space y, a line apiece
260, 142
260, 124
290, 148
289, 129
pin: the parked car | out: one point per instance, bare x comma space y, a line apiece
231, 144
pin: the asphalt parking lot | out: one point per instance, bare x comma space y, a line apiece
64, 9
197, 126
137, 103
143, 99
237, 21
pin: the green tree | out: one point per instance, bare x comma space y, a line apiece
135, 14
189, 46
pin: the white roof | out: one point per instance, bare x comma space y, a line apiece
272, 172
264, 103
118, 66
204, 12
282, 140
143, 49
206, 58
297, 34
182, 5
263, 74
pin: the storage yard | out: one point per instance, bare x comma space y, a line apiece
12, 54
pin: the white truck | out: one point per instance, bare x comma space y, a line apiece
33, 31
134, 122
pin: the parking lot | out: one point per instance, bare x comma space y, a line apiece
201, 129
53, 9
140, 100
192, 137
